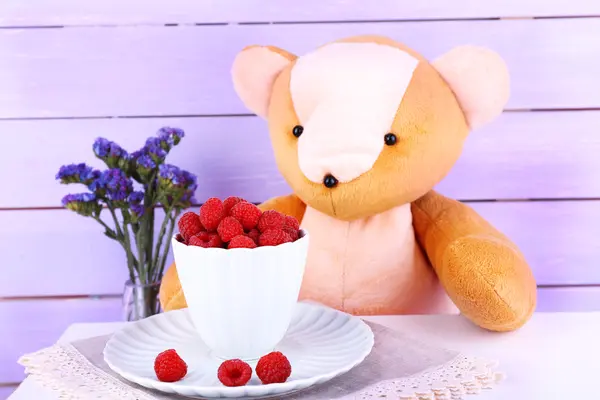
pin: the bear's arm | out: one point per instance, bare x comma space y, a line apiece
171, 296
483, 272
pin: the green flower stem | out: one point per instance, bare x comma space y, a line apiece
167, 244
117, 225
140, 248
139, 239
148, 220
127, 222
130, 256
161, 234
131, 262
130, 267
108, 228
149, 236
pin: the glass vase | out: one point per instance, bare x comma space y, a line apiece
140, 300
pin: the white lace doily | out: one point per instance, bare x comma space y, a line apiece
463, 375
63, 369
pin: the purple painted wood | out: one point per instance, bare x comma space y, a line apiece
30, 325
521, 155
71, 12
229, 155
6, 391
178, 71
530, 155
580, 299
558, 239
72, 256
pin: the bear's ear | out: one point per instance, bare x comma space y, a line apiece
479, 79
254, 71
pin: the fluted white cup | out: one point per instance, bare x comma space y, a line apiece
241, 300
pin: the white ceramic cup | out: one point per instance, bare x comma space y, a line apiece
241, 300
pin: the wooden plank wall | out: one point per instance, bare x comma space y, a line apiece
71, 71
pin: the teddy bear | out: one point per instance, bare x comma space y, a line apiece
362, 130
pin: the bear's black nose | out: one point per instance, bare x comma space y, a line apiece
330, 181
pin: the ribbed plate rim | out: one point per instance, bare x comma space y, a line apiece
246, 391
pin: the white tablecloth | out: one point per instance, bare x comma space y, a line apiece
553, 357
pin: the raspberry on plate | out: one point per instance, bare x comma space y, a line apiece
273, 237
273, 368
169, 367
271, 219
247, 213
229, 228
241, 242
234, 373
228, 204
206, 239
211, 213
189, 224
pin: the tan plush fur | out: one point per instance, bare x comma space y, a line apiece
384, 242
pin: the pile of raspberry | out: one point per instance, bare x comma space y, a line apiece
271, 368
236, 223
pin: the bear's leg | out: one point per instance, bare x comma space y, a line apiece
483, 272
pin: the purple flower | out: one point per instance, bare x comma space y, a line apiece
136, 197
136, 205
82, 203
156, 149
77, 173
138, 153
114, 184
78, 197
145, 162
170, 135
141, 165
177, 176
188, 197
137, 210
106, 148
177, 186
110, 152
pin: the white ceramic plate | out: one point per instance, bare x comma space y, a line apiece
321, 344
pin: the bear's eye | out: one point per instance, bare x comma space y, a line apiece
297, 131
390, 139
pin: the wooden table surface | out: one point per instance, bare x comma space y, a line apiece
553, 357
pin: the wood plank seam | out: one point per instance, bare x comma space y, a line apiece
156, 11
166, 25
566, 285
349, 21
61, 297
535, 63
174, 116
376, 21
32, 27
117, 295
571, 16
509, 200
157, 116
